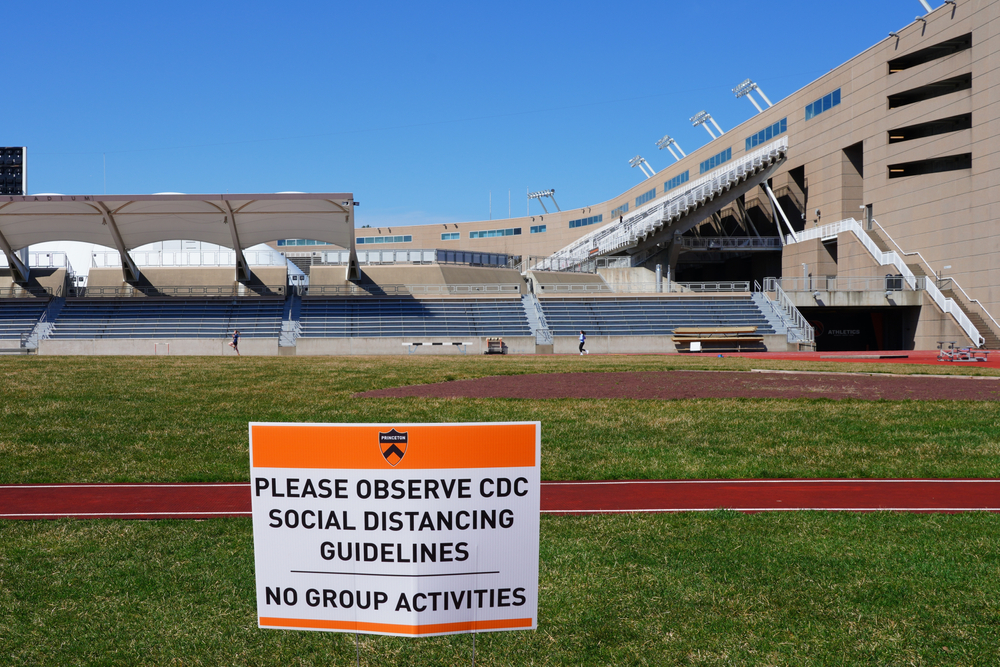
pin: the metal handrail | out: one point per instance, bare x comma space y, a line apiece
849, 284
731, 242
645, 288
546, 336
928, 265
406, 290
581, 264
672, 206
185, 258
801, 325
216, 291
19, 291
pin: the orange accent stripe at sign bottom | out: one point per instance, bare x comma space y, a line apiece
429, 629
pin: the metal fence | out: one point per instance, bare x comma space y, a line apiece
642, 288
410, 290
417, 256
893, 283
180, 291
580, 264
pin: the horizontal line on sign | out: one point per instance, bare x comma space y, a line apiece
71, 515
377, 574
392, 628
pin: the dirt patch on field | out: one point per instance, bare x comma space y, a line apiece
666, 385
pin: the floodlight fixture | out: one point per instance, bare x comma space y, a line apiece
892, 34
668, 142
746, 88
920, 18
639, 161
544, 193
702, 118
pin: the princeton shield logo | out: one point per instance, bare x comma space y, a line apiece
393, 446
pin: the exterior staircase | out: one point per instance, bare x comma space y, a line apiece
43, 328
987, 328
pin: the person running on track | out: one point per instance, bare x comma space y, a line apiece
583, 341
236, 341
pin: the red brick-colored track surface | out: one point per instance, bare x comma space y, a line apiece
708, 384
204, 501
124, 501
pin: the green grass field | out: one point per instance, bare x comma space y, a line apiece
717, 588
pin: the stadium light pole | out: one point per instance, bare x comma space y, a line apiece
926, 6
544, 193
668, 142
702, 118
639, 161
746, 88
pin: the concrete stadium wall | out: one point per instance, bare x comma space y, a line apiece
382, 346
205, 347
54, 279
644, 344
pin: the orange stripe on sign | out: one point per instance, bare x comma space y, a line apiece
427, 446
429, 629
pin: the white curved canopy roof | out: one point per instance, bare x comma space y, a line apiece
142, 219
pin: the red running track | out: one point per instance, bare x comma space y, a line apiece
204, 501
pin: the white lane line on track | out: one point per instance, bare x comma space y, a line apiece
771, 481
778, 509
211, 485
873, 374
119, 514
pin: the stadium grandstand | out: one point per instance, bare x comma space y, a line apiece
858, 213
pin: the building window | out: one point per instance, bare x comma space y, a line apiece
767, 134
824, 103
584, 222
451, 236
931, 166
620, 211
716, 160
538, 229
491, 233
645, 197
290, 242
365, 240
675, 181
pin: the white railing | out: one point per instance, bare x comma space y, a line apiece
848, 284
111, 258
44, 260
579, 264
643, 288
415, 256
731, 242
672, 206
894, 259
928, 265
408, 290
800, 329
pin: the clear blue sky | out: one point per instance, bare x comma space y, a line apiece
419, 109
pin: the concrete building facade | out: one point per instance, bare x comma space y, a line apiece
901, 138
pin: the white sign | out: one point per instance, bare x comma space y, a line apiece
396, 529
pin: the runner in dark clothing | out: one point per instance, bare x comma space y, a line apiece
236, 342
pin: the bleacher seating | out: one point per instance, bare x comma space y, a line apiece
637, 316
19, 316
168, 318
376, 317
